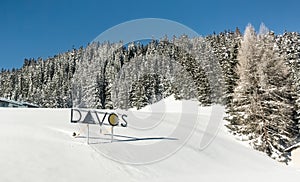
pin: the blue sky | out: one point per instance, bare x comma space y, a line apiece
39, 28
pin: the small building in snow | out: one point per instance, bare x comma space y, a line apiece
295, 154
10, 103
30, 105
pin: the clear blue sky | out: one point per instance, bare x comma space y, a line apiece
40, 28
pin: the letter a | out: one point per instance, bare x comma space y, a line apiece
89, 119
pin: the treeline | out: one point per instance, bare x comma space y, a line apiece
46, 83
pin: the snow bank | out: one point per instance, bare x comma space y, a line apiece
37, 145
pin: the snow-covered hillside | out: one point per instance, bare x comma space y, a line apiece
37, 145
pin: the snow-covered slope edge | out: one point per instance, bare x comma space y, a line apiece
36, 145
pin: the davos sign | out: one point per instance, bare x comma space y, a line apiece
98, 117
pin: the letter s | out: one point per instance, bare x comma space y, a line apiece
123, 118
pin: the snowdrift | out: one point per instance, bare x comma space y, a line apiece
37, 145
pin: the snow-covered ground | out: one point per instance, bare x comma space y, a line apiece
37, 145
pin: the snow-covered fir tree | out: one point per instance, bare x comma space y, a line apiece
225, 47
264, 99
289, 46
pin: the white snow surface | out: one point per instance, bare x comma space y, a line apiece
37, 145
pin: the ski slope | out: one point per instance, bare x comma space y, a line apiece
37, 145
